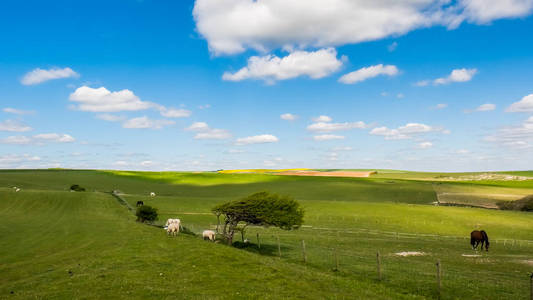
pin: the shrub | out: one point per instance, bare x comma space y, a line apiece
524, 204
146, 213
77, 188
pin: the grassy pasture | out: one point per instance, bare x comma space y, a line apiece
355, 216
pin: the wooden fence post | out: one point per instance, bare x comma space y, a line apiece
258, 241
303, 252
336, 260
439, 285
531, 285
378, 258
279, 246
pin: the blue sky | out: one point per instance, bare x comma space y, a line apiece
211, 84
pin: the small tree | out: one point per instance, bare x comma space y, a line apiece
146, 213
262, 209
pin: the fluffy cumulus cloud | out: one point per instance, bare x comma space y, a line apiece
110, 117
524, 105
288, 117
146, 123
257, 139
324, 124
103, 100
369, 72
486, 107
322, 119
517, 137
233, 26
327, 137
204, 132
15, 111
405, 132
38, 75
457, 75
14, 126
39, 139
271, 68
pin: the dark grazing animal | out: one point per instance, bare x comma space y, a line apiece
477, 237
140, 203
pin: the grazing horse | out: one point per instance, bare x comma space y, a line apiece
140, 203
476, 237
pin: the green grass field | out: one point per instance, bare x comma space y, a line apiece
61, 244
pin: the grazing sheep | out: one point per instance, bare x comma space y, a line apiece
173, 225
246, 241
152, 194
209, 235
17, 190
173, 229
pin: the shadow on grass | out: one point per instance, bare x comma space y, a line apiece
265, 249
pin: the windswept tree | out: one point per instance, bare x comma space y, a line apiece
261, 209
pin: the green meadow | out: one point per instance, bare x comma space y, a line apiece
60, 244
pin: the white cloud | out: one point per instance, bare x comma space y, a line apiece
174, 113
198, 126
425, 145
423, 83
484, 11
400, 96
146, 123
518, 137
53, 137
270, 68
524, 105
328, 127
457, 75
343, 148
204, 132
205, 106
288, 117
16, 140
39, 139
257, 139
11, 161
14, 126
486, 107
15, 111
322, 119
110, 117
233, 26
392, 47
369, 72
441, 106
38, 75
327, 137
103, 100
405, 132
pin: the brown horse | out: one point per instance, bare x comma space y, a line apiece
477, 237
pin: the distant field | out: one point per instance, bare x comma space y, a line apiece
47, 231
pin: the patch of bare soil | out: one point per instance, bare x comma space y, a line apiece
409, 253
327, 174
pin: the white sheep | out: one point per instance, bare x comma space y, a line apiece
209, 235
17, 190
173, 229
152, 194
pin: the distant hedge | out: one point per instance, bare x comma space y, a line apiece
524, 204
